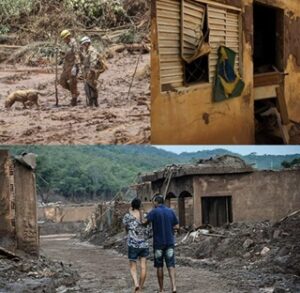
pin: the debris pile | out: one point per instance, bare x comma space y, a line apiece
224, 161
266, 254
109, 22
105, 226
34, 275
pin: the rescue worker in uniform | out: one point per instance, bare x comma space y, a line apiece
71, 62
92, 66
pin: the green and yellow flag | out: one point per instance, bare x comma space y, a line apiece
228, 83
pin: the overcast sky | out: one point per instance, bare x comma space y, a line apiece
243, 150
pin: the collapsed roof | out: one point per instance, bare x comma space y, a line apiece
226, 164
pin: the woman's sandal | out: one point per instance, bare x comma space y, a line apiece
136, 289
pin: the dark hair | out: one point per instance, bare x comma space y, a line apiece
159, 199
136, 204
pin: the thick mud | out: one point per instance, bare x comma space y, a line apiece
120, 118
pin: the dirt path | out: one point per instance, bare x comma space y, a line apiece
119, 118
107, 271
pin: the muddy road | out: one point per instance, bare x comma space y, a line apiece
120, 118
107, 271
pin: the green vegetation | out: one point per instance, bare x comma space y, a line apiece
90, 172
31, 16
13, 10
291, 164
99, 172
104, 11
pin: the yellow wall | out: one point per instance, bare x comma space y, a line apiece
181, 118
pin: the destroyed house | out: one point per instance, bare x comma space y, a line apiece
217, 65
222, 190
18, 206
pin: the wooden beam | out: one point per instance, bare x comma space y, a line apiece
213, 3
282, 105
269, 78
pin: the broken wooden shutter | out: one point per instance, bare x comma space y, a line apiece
168, 27
192, 22
224, 31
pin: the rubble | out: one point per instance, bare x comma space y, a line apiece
262, 253
34, 275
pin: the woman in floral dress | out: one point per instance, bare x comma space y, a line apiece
137, 242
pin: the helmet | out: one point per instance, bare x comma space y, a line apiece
84, 40
64, 34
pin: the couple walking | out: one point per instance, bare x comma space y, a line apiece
164, 222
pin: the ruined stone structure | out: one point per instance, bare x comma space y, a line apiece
18, 207
62, 213
268, 60
223, 190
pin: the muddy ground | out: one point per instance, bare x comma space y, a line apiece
119, 119
104, 270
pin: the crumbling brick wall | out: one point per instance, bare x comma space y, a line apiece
18, 207
26, 209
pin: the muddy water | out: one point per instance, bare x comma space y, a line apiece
107, 271
120, 118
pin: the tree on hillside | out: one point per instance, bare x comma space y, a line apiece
291, 164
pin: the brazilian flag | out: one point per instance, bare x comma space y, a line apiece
228, 83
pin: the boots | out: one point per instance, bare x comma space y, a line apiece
74, 101
96, 102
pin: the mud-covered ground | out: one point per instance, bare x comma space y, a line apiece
119, 119
104, 270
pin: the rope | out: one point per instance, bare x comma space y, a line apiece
137, 63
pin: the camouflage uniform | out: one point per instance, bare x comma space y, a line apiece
68, 81
93, 66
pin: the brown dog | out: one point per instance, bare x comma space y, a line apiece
23, 96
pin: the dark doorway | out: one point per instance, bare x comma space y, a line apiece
185, 209
216, 211
171, 202
268, 38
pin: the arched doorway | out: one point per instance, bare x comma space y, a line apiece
171, 202
185, 209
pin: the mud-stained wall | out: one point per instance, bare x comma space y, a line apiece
66, 213
7, 239
26, 210
258, 196
176, 187
188, 115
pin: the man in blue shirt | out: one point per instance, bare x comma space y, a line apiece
164, 222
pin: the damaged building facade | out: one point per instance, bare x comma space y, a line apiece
187, 36
18, 206
223, 190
